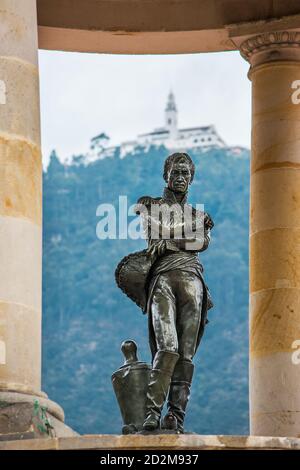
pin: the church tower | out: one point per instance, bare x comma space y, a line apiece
171, 116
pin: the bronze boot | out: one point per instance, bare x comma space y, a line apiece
160, 378
179, 395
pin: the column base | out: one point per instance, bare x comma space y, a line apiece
25, 416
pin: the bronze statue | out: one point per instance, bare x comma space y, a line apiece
166, 281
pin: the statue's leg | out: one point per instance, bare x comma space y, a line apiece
190, 295
189, 308
179, 395
163, 311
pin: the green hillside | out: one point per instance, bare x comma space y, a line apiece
86, 317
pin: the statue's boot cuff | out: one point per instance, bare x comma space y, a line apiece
160, 378
179, 394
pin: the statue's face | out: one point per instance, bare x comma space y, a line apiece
179, 177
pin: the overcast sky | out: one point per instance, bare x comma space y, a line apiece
83, 95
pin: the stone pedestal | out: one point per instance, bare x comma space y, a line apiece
20, 221
182, 442
274, 233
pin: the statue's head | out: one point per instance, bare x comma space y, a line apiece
179, 172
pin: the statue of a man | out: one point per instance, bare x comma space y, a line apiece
177, 297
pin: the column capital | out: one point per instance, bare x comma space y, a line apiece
270, 46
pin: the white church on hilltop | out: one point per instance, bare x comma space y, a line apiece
170, 136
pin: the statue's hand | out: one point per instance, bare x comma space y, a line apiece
157, 248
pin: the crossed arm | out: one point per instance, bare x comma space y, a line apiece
196, 241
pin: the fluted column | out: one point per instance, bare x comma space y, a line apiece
274, 233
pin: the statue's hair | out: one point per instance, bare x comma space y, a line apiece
175, 157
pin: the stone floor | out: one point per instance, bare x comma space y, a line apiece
154, 442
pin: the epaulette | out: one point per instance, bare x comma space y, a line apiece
208, 220
146, 201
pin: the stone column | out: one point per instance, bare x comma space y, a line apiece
274, 233
20, 221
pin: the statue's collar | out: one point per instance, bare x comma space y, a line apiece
170, 197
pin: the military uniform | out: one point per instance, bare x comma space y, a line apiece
177, 304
